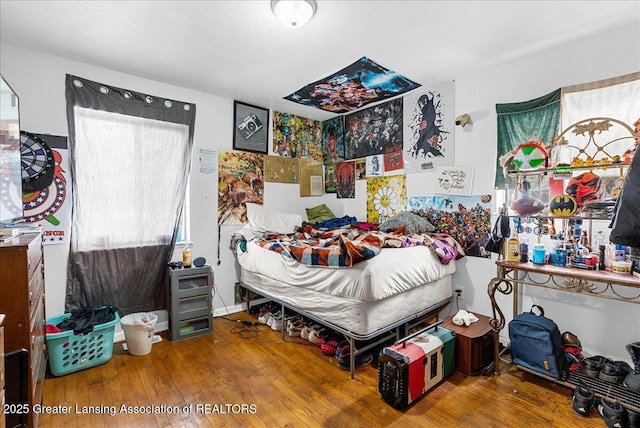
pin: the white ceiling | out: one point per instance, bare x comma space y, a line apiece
238, 49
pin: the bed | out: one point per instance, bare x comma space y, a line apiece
370, 301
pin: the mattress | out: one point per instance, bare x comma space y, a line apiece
372, 295
393, 271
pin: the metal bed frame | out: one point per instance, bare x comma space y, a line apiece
395, 330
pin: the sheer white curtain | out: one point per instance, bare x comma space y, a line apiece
130, 161
123, 194
616, 98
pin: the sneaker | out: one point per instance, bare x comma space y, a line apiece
632, 381
329, 346
304, 333
583, 399
344, 358
613, 414
634, 418
570, 339
295, 329
264, 315
591, 366
614, 371
315, 334
295, 319
339, 347
275, 317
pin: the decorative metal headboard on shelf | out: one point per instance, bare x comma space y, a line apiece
589, 149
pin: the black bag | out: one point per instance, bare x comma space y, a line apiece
626, 213
536, 343
500, 232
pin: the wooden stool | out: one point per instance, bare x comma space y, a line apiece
474, 344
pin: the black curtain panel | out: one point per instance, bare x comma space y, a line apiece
130, 160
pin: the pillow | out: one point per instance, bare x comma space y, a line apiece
319, 213
263, 219
413, 222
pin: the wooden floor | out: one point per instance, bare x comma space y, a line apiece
228, 378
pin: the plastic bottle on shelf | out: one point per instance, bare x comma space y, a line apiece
513, 250
186, 256
524, 250
539, 254
599, 243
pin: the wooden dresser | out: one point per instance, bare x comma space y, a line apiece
22, 301
2, 422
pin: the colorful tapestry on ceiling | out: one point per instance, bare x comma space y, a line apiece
353, 87
466, 218
333, 140
375, 130
428, 128
296, 136
240, 180
386, 197
47, 196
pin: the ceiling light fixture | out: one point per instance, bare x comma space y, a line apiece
293, 13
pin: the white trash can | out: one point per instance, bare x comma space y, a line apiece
138, 332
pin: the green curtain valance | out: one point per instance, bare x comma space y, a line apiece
519, 122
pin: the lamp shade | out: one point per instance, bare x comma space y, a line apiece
293, 13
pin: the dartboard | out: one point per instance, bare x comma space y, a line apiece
37, 162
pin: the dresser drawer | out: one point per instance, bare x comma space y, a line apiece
1, 357
37, 340
36, 286
34, 255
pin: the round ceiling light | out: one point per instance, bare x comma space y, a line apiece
293, 13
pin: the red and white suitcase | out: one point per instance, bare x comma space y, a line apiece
410, 367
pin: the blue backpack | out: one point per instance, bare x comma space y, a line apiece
536, 344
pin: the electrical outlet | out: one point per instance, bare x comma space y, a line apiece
458, 292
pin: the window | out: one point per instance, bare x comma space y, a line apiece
130, 160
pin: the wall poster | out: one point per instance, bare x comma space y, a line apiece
296, 136
454, 180
47, 198
330, 179
240, 180
333, 140
374, 130
386, 197
346, 185
278, 169
374, 166
466, 218
429, 128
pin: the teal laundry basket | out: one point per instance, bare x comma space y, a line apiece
69, 353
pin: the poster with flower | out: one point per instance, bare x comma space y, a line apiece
386, 197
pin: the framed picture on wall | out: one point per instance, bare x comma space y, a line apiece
250, 128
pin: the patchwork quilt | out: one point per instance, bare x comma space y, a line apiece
346, 246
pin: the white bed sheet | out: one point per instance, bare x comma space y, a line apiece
393, 272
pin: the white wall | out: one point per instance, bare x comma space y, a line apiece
604, 326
